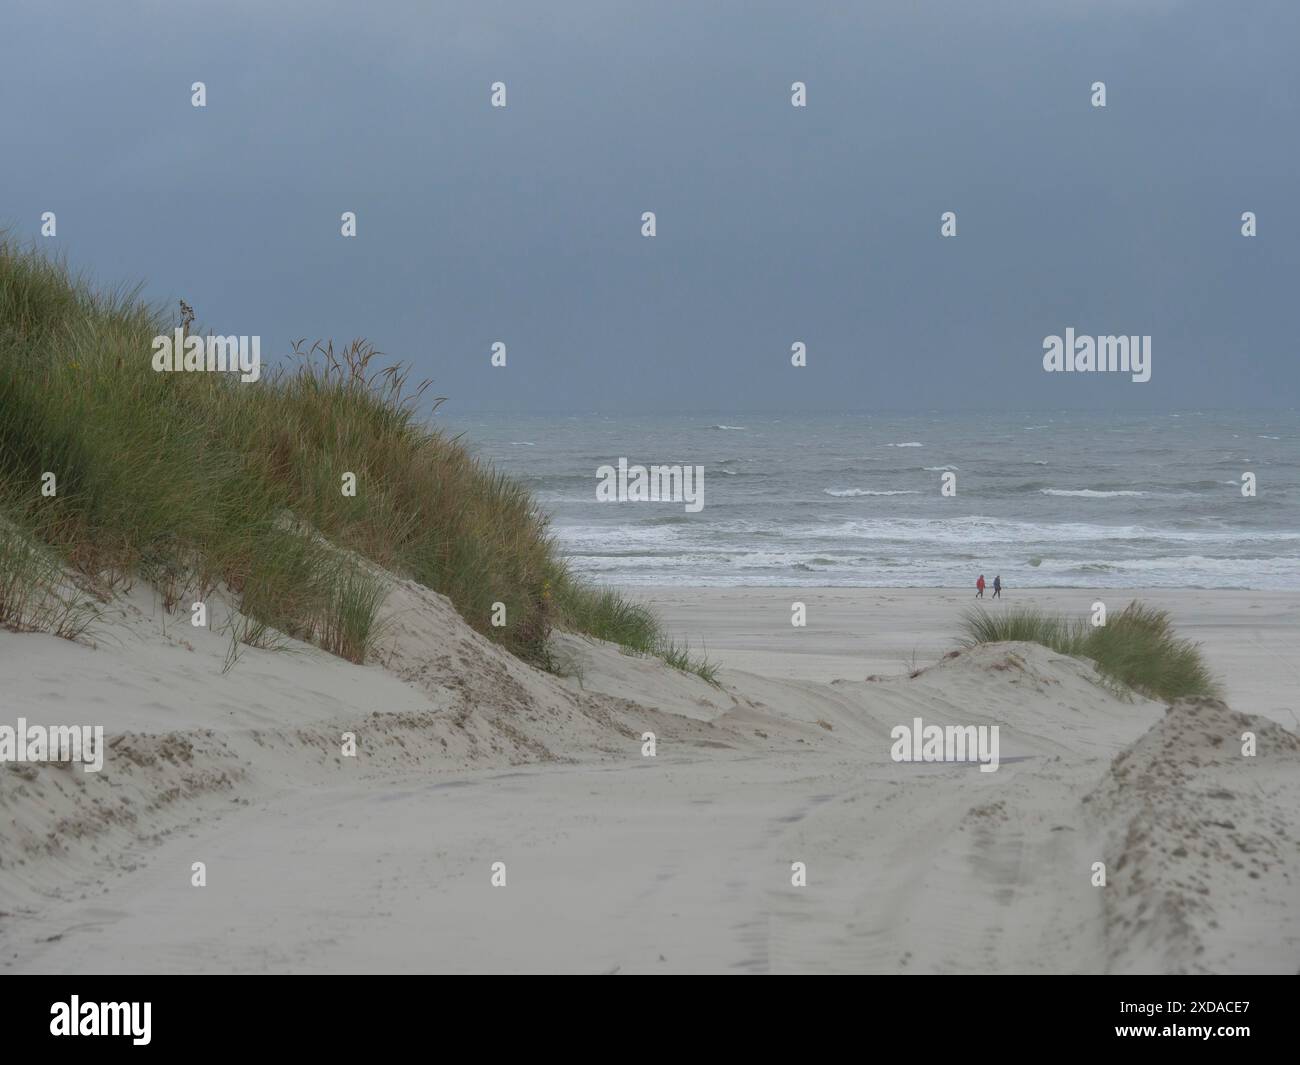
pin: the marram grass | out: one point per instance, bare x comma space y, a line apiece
196, 480
1138, 647
34, 596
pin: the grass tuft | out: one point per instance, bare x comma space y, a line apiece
34, 596
348, 626
1137, 648
607, 615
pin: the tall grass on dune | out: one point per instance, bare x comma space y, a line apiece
607, 615
1025, 623
34, 597
1137, 647
197, 480
349, 627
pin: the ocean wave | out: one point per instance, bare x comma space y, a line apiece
668, 519
1088, 493
843, 492
726, 427
852, 469
918, 536
910, 443
936, 469
978, 529
778, 568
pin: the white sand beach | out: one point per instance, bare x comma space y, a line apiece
681, 862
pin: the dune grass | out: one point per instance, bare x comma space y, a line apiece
350, 629
607, 615
34, 597
1137, 648
680, 656
195, 481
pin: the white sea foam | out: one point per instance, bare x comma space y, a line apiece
1087, 493
975, 532
841, 492
794, 569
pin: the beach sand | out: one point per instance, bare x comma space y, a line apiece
616, 862
1250, 637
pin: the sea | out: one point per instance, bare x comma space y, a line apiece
1060, 499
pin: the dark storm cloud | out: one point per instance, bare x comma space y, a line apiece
774, 224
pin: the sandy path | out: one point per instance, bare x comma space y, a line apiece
608, 868
641, 867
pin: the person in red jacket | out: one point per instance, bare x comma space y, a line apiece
979, 587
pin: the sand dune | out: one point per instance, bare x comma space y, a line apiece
851, 632
616, 862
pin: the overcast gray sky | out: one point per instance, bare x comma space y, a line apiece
775, 224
